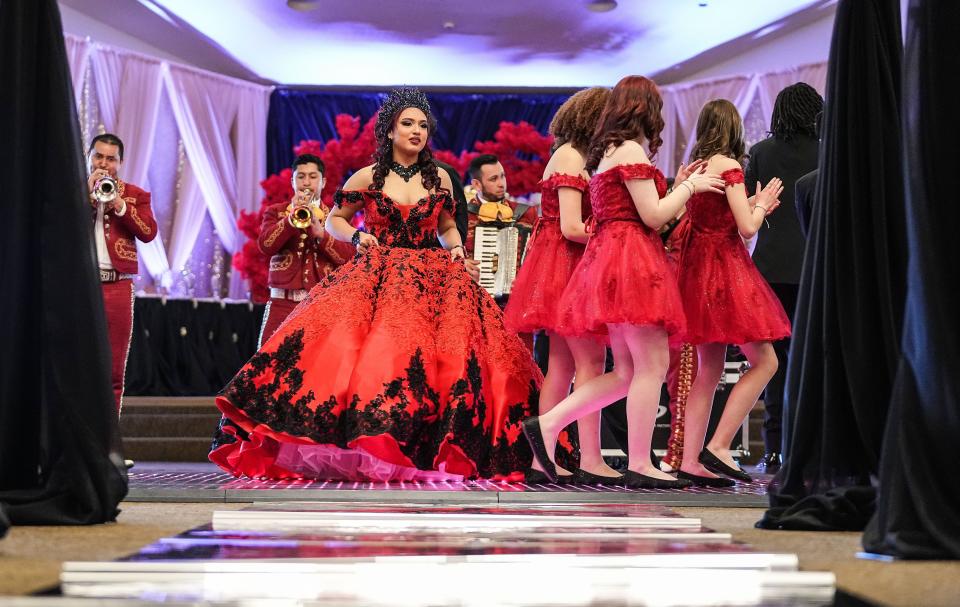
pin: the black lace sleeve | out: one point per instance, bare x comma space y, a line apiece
342, 197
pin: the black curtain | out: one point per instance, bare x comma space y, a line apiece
462, 118
184, 347
847, 328
60, 459
919, 498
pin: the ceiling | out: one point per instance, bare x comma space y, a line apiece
454, 43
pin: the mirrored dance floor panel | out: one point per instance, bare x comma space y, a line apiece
332, 553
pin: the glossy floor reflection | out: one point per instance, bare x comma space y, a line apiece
334, 553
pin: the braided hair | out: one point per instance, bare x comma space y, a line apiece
397, 101
795, 112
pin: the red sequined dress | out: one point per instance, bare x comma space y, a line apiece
397, 366
549, 262
725, 298
623, 276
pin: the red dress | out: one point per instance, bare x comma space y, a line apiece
549, 263
725, 298
396, 367
623, 276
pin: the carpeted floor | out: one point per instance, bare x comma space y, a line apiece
910, 584
30, 557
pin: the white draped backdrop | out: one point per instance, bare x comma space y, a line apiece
206, 130
753, 94
196, 140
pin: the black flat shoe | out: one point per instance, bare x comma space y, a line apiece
582, 477
635, 480
536, 477
714, 464
705, 481
531, 429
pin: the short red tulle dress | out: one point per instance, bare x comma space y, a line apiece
624, 276
549, 262
725, 298
397, 366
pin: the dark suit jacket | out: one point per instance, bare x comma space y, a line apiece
779, 252
460, 215
806, 186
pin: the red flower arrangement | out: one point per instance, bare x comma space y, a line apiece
522, 150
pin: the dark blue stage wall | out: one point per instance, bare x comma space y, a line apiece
462, 118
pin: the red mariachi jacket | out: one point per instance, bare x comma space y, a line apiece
137, 222
299, 260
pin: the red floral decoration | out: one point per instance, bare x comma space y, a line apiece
459, 163
521, 148
523, 152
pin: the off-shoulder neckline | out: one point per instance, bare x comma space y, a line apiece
395, 203
627, 166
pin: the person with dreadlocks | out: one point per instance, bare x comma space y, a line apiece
789, 153
397, 365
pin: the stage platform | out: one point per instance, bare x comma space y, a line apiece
204, 482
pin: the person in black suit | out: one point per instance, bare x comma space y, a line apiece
789, 153
806, 186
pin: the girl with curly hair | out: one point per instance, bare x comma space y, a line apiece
558, 241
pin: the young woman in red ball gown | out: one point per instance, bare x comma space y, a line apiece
725, 299
557, 245
397, 365
623, 286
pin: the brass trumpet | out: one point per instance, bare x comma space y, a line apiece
105, 189
301, 216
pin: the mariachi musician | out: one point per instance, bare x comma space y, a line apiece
121, 215
301, 251
493, 211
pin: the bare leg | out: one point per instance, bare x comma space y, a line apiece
556, 383
560, 368
651, 357
592, 396
588, 356
743, 396
699, 403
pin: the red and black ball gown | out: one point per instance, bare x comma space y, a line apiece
397, 366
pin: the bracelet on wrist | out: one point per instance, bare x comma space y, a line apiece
355, 239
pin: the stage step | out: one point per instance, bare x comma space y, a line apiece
171, 429
166, 449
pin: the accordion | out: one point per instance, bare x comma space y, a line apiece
495, 247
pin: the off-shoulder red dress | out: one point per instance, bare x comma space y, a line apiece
725, 298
